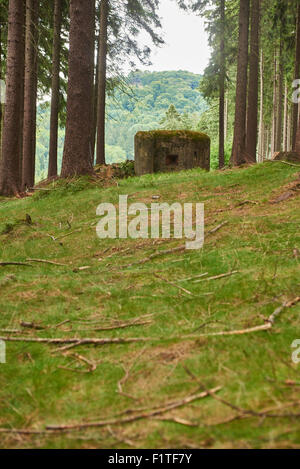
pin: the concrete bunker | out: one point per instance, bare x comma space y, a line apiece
171, 150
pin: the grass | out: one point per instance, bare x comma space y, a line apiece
40, 386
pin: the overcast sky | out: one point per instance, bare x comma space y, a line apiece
186, 45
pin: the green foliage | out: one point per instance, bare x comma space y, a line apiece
140, 105
127, 168
63, 187
146, 101
169, 134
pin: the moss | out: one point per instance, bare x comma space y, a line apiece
170, 134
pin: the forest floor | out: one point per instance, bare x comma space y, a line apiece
182, 387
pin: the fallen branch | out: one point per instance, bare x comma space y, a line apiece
3, 264
177, 420
217, 277
244, 413
192, 278
217, 228
245, 202
25, 432
155, 255
63, 236
44, 261
248, 413
75, 342
174, 285
32, 325
123, 325
170, 251
127, 374
91, 365
119, 438
132, 418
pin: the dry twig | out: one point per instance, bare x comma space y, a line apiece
174, 285
4, 264
217, 228
217, 277
44, 261
132, 418
74, 342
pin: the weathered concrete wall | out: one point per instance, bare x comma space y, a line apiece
167, 151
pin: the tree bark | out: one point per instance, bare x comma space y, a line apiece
252, 110
226, 120
296, 77
102, 82
52, 167
9, 166
222, 87
267, 149
261, 138
30, 94
297, 143
2, 95
95, 104
285, 117
275, 100
289, 131
278, 140
22, 95
77, 148
238, 148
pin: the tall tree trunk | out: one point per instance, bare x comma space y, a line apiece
2, 94
222, 87
52, 168
289, 131
278, 140
297, 142
238, 148
35, 89
261, 137
267, 150
285, 117
252, 110
275, 100
76, 157
226, 120
9, 166
30, 94
22, 95
95, 103
102, 82
296, 76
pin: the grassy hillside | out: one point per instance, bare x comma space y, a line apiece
112, 289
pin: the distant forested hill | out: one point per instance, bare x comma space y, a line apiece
149, 98
141, 105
